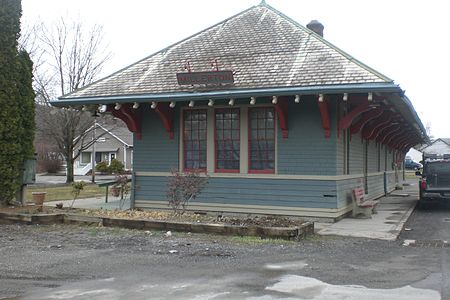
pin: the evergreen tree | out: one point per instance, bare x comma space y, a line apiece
16, 102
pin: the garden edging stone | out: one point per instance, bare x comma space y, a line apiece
288, 233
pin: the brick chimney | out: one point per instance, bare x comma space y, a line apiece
316, 26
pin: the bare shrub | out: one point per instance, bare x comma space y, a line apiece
183, 187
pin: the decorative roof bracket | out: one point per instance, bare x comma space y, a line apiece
386, 134
132, 118
347, 120
324, 109
386, 127
369, 131
365, 118
166, 114
391, 141
281, 107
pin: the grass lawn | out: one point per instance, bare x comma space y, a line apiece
411, 175
58, 193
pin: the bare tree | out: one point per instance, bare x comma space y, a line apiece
67, 56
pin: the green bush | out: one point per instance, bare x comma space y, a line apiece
16, 100
102, 167
116, 167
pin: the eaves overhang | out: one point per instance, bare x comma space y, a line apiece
238, 93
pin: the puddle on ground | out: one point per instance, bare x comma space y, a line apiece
292, 265
311, 288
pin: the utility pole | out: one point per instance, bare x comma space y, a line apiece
94, 139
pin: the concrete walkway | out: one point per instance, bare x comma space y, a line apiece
393, 211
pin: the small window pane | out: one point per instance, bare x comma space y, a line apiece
194, 139
85, 157
262, 140
227, 139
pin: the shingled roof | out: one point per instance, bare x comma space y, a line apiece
264, 48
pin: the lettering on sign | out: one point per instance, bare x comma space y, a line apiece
215, 77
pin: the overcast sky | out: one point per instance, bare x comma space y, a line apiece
406, 40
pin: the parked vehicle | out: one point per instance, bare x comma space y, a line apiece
412, 165
434, 184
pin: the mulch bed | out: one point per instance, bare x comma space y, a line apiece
264, 221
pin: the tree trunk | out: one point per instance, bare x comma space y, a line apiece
69, 175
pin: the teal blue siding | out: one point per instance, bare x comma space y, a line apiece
156, 152
344, 190
356, 154
383, 158
391, 181
340, 148
372, 157
376, 186
249, 191
307, 151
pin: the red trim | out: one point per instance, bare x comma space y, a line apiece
226, 171
377, 122
398, 144
391, 141
194, 170
347, 120
250, 171
261, 171
379, 132
386, 133
390, 134
217, 170
166, 114
131, 117
324, 109
365, 118
282, 111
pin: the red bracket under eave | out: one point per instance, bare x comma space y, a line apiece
131, 117
347, 120
382, 138
324, 108
166, 114
370, 129
282, 111
365, 118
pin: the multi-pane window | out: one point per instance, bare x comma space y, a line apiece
194, 139
262, 140
227, 140
85, 158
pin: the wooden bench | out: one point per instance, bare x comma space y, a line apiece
361, 206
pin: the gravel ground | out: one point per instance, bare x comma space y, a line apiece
38, 261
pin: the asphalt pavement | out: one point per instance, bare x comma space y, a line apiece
73, 262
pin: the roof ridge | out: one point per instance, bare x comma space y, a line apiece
112, 134
329, 44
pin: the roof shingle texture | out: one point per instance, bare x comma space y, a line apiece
263, 47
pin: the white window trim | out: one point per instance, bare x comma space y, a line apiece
210, 147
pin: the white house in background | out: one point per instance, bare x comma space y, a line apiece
439, 146
112, 142
414, 154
